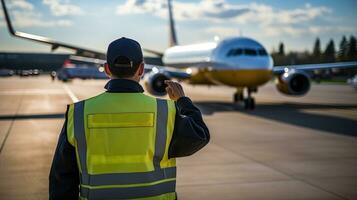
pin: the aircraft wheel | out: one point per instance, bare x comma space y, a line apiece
237, 97
249, 104
252, 105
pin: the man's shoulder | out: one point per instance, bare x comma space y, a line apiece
169, 101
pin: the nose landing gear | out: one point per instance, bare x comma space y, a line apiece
248, 102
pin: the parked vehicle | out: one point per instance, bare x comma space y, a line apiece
82, 72
6, 72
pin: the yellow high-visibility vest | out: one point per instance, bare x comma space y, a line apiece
122, 142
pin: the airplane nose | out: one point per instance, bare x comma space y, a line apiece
242, 77
261, 63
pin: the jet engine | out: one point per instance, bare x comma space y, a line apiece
155, 83
293, 82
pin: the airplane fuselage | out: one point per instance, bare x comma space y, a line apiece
237, 62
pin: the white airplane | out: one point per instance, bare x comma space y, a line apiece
238, 62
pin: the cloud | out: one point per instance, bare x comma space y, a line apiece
221, 11
310, 30
24, 14
223, 31
58, 8
279, 31
2, 23
269, 20
31, 19
21, 4
205, 9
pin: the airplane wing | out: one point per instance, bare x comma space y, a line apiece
169, 71
159, 54
55, 44
309, 67
82, 52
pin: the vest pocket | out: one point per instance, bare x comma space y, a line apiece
120, 142
121, 120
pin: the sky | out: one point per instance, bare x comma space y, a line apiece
94, 24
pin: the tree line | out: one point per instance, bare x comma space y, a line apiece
347, 51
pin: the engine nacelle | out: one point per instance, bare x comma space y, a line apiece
155, 83
293, 82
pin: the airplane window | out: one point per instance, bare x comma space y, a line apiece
250, 52
230, 53
238, 52
262, 52
235, 52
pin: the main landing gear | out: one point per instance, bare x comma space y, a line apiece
248, 102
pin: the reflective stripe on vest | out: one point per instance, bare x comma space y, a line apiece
159, 181
127, 193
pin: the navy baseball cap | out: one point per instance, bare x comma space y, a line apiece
125, 47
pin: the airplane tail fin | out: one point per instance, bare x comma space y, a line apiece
172, 31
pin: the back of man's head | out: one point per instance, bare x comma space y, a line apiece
124, 57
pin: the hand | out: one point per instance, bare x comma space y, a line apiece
174, 90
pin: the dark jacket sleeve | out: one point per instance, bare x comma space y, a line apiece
190, 131
64, 174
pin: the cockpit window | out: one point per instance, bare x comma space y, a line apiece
238, 52
230, 52
250, 52
247, 52
235, 52
262, 52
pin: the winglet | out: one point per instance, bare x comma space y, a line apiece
54, 44
7, 18
173, 38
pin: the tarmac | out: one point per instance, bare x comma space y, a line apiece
287, 148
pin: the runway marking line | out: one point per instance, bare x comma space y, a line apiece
70, 94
